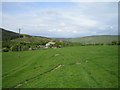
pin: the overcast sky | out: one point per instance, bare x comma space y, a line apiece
61, 19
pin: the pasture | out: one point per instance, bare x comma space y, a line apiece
69, 67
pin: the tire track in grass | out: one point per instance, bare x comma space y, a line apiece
89, 74
53, 69
83, 68
98, 66
16, 69
30, 79
21, 67
103, 68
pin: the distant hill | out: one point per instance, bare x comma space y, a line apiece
91, 39
12, 36
9, 35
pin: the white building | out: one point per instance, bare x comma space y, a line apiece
49, 43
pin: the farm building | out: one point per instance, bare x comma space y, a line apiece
49, 44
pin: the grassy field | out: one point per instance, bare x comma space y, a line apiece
70, 67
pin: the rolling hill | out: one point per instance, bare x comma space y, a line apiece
12, 36
9, 35
33, 39
91, 39
106, 39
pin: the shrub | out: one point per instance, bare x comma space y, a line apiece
5, 49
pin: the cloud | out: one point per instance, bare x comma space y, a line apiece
72, 20
60, 0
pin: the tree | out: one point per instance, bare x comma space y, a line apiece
114, 42
15, 48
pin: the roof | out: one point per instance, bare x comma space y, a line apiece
49, 43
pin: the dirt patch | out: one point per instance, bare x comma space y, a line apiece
77, 63
19, 85
56, 54
56, 68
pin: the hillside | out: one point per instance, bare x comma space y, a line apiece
9, 35
92, 39
33, 39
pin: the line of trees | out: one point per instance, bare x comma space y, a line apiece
23, 46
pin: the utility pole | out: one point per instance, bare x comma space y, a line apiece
19, 44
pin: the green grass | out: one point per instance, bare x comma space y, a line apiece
98, 68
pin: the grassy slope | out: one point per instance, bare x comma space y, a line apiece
99, 71
32, 39
9, 35
92, 39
